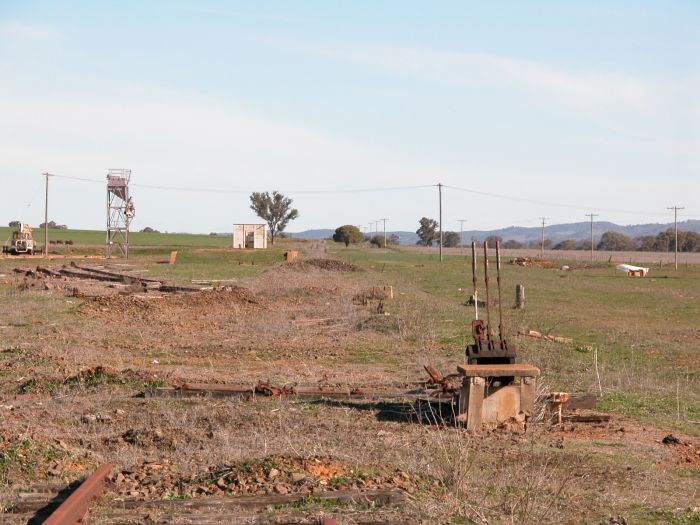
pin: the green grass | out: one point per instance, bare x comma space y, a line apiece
643, 330
316, 503
97, 237
27, 457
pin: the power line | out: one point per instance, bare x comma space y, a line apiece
542, 245
675, 227
384, 220
247, 192
591, 215
461, 231
373, 190
440, 213
548, 203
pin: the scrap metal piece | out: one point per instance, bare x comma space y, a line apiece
558, 399
73, 509
442, 382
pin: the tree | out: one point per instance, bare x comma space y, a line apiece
377, 240
393, 239
493, 239
148, 229
688, 241
348, 234
614, 241
451, 240
566, 245
427, 233
14, 224
276, 210
647, 243
512, 244
54, 226
666, 241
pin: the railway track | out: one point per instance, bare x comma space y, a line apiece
93, 502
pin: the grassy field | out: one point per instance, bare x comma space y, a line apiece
644, 331
643, 334
93, 237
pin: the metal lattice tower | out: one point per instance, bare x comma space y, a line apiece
120, 211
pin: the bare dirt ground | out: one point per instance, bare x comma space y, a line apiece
77, 357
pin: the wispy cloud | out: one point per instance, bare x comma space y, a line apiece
600, 88
27, 32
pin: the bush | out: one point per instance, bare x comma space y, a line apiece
348, 234
377, 240
393, 239
451, 240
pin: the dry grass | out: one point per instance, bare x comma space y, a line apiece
304, 326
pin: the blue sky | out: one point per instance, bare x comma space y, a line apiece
571, 107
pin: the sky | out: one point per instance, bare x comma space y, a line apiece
356, 110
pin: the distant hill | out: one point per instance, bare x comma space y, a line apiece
577, 231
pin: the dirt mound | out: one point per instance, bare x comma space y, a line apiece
224, 295
148, 306
686, 454
333, 265
530, 261
271, 475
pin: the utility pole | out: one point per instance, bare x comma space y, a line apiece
461, 231
46, 216
591, 215
675, 227
384, 220
440, 200
542, 244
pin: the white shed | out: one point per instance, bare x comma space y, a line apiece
249, 236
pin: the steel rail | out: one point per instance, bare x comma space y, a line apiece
73, 509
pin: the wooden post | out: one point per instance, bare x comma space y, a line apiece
477, 386
173, 257
519, 296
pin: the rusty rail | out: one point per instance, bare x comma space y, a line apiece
269, 390
73, 509
124, 277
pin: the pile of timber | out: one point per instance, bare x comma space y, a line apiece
76, 271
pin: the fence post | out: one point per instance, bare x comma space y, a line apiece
519, 296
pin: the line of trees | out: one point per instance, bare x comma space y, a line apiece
428, 235
662, 242
615, 241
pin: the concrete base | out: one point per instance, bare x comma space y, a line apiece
483, 405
